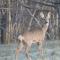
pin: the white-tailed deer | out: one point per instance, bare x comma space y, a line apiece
29, 37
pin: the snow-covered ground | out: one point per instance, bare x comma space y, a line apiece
51, 52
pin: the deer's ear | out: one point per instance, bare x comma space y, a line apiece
48, 15
42, 14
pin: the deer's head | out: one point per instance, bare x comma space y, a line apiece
45, 19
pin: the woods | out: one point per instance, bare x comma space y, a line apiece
18, 16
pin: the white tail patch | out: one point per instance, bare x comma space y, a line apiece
20, 37
42, 14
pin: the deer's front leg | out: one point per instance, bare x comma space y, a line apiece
41, 51
40, 48
27, 53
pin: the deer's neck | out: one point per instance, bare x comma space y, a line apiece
45, 27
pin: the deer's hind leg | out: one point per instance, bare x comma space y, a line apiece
27, 49
18, 50
17, 53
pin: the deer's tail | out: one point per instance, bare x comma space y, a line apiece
20, 37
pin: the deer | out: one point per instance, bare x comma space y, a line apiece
29, 37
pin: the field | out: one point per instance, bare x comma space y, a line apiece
51, 51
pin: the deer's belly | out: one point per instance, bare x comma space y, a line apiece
32, 40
